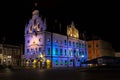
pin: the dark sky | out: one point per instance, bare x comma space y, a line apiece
100, 18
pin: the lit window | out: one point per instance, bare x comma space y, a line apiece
69, 43
56, 52
80, 53
65, 52
73, 44
9, 56
70, 62
48, 51
48, 40
83, 45
66, 62
61, 62
70, 52
65, 42
80, 44
77, 44
60, 51
77, 53
56, 62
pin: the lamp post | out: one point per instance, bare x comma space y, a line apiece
42, 59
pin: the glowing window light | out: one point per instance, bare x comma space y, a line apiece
34, 61
60, 51
61, 62
82, 55
4, 60
9, 56
41, 56
56, 52
56, 62
48, 51
66, 62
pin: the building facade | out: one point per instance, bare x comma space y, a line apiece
49, 49
117, 54
99, 48
10, 54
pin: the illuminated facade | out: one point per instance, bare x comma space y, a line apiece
10, 54
99, 48
48, 49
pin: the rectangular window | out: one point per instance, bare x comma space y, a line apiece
65, 52
71, 62
56, 62
56, 51
76, 44
48, 51
65, 42
69, 52
80, 53
27, 50
80, 45
48, 39
60, 51
61, 62
77, 53
66, 62
73, 44
39, 49
69, 43
83, 45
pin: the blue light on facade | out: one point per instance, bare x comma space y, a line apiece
58, 50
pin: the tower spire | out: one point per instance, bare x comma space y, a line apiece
36, 4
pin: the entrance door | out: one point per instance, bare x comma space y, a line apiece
48, 62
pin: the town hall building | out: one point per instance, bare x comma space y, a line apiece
49, 49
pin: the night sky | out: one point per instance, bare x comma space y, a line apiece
96, 18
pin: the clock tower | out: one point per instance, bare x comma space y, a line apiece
34, 39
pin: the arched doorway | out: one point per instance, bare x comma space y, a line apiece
48, 64
27, 64
34, 63
39, 64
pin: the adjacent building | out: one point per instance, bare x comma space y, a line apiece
99, 48
117, 54
10, 54
49, 49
